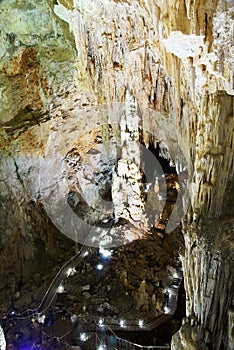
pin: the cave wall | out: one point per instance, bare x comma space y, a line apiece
35, 60
61, 61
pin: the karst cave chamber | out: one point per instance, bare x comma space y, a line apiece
116, 174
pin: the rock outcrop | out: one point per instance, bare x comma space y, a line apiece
66, 69
2, 340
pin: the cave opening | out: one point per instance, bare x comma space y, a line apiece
161, 180
166, 163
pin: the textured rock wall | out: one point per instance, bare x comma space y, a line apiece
2, 339
208, 262
35, 60
175, 52
61, 60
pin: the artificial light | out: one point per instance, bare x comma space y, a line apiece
122, 322
83, 337
99, 267
71, 271
101, 347
60, 289
140, 323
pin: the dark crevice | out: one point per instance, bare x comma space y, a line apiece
17, 173
167, 179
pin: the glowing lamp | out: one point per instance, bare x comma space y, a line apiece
122, 323
83, 337
60, 289
99, 267
140, 323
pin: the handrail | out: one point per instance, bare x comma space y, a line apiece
132, 325
58, 275
105, 343
137, 345
172, 303
66, 334
37, 308
148, 324
66, 264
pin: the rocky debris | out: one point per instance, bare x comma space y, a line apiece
33, 337
130, 284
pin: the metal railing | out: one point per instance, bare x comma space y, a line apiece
59, 277
148, 324
39, 309
111, 323
112, 341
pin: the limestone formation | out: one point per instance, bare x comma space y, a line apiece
69, 71
2, 340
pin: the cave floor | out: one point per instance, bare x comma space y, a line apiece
130, 284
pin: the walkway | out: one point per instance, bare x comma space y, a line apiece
110, 341
92, 322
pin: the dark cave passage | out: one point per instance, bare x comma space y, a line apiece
158, 167
160, 176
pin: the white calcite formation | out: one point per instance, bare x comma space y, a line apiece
2, 340
127, 179
67, 69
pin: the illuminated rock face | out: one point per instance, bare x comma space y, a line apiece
61, 63
2, 340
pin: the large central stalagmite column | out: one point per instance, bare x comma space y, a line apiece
127, 179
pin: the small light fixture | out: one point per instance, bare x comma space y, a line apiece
86, 253
101, 347
166, 309
60, 289
99, 267
41, 318
140, 323
122, 323
83, 337
69, 271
